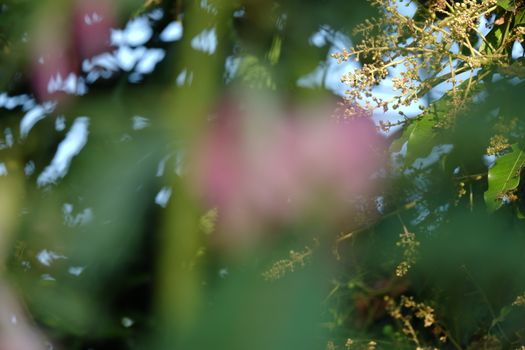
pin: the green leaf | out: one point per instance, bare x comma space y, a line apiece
502, 316
420, 135
504, 176
255, 74
275, 51
398, 143
520, 214
520, 18
423, 137
506, 4
494, 38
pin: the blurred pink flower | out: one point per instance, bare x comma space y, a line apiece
93, 20
258, 172
61, 41
16, 331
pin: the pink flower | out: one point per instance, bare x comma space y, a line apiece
275, 170
93, 20
60, 44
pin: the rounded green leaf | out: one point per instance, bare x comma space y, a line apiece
503, 177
